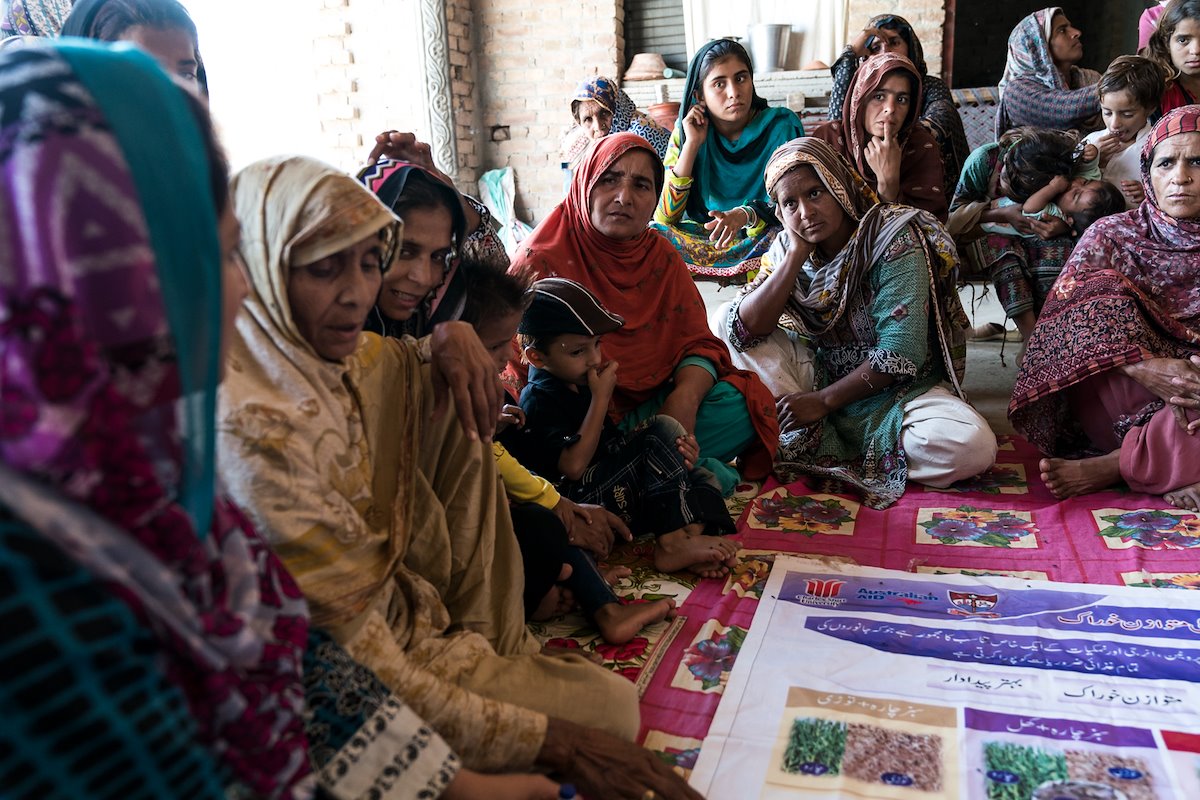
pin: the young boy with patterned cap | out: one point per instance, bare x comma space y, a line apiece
645, 476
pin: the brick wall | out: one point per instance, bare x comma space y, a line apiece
336, 84
528, 59
460, 28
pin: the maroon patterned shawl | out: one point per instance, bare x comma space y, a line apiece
1128, 293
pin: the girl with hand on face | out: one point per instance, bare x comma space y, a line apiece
935, 109
714, 208
879, 134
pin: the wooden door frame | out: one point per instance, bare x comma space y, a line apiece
948, 43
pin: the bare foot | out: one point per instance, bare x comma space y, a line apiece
687, 548
1186, 497
1068, 478
620, 623
613, 575
558, 601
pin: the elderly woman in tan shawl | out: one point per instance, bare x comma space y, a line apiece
396, 527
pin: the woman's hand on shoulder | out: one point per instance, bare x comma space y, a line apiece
462, 367
602, 765
401, 146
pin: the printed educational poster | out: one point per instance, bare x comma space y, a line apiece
865, 683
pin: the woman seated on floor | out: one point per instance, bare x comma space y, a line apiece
668, 361
1022, 268
1110, 387
142, 579
395, 526
879, 133
713, 207
441, 225
600, 108
869, 286
1043, 86
888, 33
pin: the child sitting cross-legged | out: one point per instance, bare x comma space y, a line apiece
552, 530
647, 476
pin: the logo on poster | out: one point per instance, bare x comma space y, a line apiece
822, 593
973, 604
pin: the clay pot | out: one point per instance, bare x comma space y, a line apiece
664, 114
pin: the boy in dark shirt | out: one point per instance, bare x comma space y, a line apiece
645, 476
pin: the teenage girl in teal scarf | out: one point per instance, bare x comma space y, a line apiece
714, 207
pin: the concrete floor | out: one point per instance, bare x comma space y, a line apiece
989, 381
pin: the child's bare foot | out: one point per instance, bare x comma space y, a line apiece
687, 548
1186, 497
558, 601
613, 575
620, 623
1068, 478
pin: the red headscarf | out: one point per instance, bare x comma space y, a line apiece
645, 281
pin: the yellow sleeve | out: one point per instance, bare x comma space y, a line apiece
521, 484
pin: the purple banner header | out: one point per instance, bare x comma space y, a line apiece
1091, 657
1065, 729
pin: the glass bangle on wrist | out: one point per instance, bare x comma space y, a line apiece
751, 216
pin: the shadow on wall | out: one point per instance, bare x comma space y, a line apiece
981, 34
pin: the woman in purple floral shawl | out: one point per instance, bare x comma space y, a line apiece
1110, 385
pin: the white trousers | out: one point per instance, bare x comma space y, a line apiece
944, 438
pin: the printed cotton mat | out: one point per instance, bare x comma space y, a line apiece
1004, 522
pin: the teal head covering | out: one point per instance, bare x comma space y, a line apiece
728, 174
116, 248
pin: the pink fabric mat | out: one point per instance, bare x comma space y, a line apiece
1004, 522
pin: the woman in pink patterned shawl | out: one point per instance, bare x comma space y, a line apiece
1110, 386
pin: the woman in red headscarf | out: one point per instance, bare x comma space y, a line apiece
1111, 379
669, 361
878, 133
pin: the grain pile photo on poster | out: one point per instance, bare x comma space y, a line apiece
893, 758
1130, 776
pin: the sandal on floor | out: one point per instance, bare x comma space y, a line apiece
987, 332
